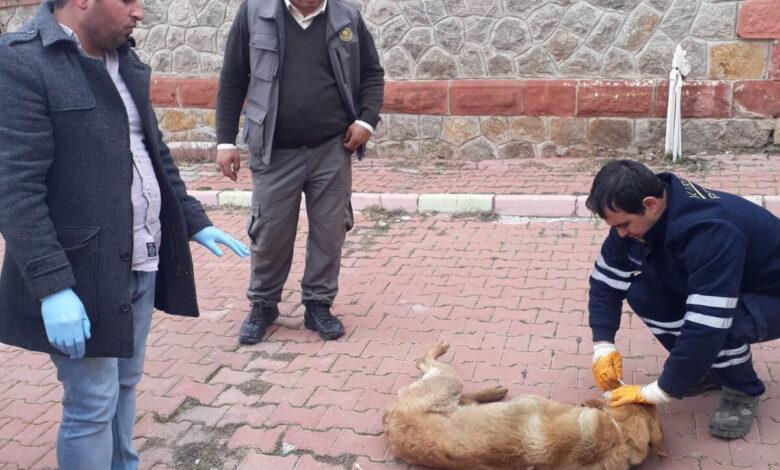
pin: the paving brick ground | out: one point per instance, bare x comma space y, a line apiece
510, 299
757, 174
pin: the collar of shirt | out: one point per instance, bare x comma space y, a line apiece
302, 20
110, 58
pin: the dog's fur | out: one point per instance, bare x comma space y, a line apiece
433, 423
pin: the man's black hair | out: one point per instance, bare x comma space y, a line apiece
622, 185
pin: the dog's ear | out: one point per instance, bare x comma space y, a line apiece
593, 403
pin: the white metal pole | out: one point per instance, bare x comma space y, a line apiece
670, 111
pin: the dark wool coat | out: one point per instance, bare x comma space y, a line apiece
65, 190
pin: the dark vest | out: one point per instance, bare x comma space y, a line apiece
311, 110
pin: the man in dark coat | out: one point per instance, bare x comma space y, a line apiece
95, 217
310, 75
701, 268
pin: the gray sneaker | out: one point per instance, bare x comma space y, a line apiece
735, 414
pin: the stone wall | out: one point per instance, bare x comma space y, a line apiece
511, 78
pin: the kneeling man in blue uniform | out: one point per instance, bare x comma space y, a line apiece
701, 269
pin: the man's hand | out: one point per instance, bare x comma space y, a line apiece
607, 366
650, 394
229, 162
66, 323
356, 136
210, 236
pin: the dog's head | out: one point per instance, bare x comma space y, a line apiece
640, 427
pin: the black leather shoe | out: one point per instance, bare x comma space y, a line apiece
735, 414
318, 318
261, 315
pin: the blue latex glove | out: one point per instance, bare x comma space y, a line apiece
210, 236
66, 322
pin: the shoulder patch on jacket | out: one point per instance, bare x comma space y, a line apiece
346, 34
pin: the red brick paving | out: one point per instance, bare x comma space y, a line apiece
510, 298
755, 174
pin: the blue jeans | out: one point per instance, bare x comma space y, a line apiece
99, 396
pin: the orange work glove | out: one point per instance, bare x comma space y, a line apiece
607, 366
650, 394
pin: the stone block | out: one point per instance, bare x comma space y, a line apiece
235, 198
702, 135
362, 200
459, 130
437, 149
580, 209
198, 92
650, 134
398, 148
437, 64
209, 117
757, 98
612, 134
402, 126
430, 127
715, 21
176, 120
478, 149
747, 133
774, 62
207, 198
535, 63
777, 131
495, 129
568, 131
562, 44
535, 205
550, 97
450, 203
527, 128
772, 204
737, 60
759, 19
638, 28
700, 99
486, 97
517, 150
394, 201
548, 150
415, 97
164, 91
615, 98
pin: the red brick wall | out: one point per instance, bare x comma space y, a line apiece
583, 98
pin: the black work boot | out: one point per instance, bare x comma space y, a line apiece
318, 318
261, 315
735, 414
705, 384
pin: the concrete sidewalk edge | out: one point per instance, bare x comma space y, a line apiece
517, 205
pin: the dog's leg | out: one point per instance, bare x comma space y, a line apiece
485, 395
434, 352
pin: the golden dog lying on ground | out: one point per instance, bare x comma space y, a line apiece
433, 423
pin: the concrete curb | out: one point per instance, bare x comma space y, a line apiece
510, 205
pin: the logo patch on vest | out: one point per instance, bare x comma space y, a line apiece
345, 34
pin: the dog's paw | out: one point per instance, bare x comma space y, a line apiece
494, 393
439, 348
